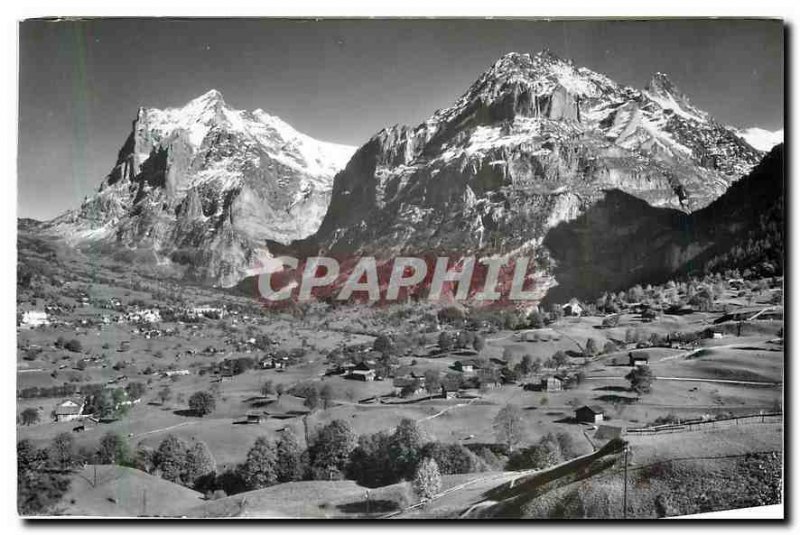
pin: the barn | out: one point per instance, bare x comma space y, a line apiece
589, 413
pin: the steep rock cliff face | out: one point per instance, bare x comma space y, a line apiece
536, 141
206, 185
621, 240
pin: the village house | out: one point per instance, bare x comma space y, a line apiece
449, 392
712, 333
401, 383
147, 315
254, 417
34, 318
361, 375
363, 371
170, 373
466, 366
638, 359
69, 409
274, 363
573, 308
552, 383
589, 413
205, 311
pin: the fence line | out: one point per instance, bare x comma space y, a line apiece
693, 425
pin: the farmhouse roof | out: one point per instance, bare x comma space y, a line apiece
70, 406
593, 408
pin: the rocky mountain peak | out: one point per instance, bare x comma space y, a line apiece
663, 90
207, 185
533, 143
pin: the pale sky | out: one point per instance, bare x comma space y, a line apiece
81, 82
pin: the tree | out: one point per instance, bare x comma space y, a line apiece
526, 365
135, 390
37, 490
312, 398
591, 347
370, 464
202, 403
289, 455
445, 341
259, 470
451, 458
61, 452
536, 319
29, 416
268, 388
560, 359
170, 458
114, 450
330, 452
165, 394
326, 396
508, 426
383, 344
432, 382
200, 464
427, 480
641, 379
279, 390
409, 389
478, 343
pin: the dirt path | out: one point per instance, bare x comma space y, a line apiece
447, 409
153, 431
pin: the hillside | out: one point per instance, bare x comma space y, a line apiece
622, 241
110, 490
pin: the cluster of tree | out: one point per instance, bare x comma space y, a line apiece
760, 252
551, 449
58, 391
315, 395
108, 403
462, 340
188, 464
40, 480
74, 345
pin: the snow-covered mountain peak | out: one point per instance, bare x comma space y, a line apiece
208, 182
664, 92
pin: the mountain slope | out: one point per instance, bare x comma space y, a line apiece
622, 241
207, 185
534, 142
